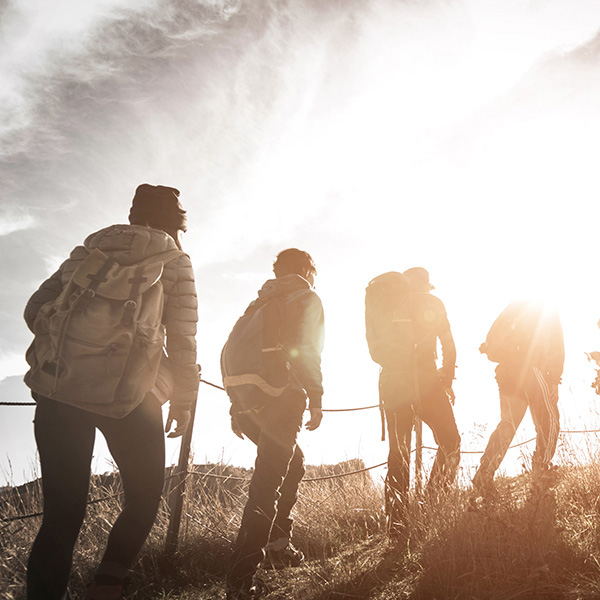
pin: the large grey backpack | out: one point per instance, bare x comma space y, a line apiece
99, 344
389, 322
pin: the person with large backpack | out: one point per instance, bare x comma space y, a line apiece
271, 363
403, 323
102, 324
526, 341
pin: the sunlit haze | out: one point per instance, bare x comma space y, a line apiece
378, 135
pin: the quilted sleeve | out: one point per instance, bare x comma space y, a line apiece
305, 346
180, 317
48, 291
53, 286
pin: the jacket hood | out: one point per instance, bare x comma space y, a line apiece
282, 286
129, 244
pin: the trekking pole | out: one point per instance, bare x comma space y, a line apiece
418, 427
176, 496
382, 414
418, 456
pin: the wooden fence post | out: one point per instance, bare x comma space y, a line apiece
178, 490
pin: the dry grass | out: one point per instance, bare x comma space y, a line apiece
529, 543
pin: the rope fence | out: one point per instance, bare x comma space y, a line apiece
39, 514
203, 475
184, 473
323, 409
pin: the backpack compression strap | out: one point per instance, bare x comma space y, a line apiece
131, 304
138, 278
96, 279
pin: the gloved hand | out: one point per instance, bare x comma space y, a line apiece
182, 418
316, 416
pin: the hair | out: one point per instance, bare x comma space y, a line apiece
158, 206
294, 262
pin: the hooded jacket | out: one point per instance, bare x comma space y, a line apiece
300, 334
130, 244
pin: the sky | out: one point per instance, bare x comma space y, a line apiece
457, 135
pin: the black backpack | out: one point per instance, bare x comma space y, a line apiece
253, 361
511, 334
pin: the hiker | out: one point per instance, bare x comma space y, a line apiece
94, 360
271, 363
526, 341
404, 321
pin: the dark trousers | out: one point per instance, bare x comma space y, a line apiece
519, 390
65, 440
278, 470
429, 402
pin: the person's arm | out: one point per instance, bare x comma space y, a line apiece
305, 354
555, 352
53, 286
448, 368
181, 317
48, 291
448, 357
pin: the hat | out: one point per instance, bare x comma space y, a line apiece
158, 206
420, 277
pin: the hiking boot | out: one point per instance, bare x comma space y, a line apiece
397, 533
103, 591
245, 589
483, 484
543, 477
280, 558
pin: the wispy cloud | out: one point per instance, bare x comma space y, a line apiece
14, 219
12, 364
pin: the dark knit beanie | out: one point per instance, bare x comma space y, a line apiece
158, 206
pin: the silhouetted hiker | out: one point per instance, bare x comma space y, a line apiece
99, 325
271, 363
526, 341
595, 356
404, 322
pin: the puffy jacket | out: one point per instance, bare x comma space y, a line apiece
130, 244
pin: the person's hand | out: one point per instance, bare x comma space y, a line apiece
182, 418
553, 379
316, 416
450, 395
445, 378
236, 428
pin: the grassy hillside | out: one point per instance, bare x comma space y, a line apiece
529, 543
